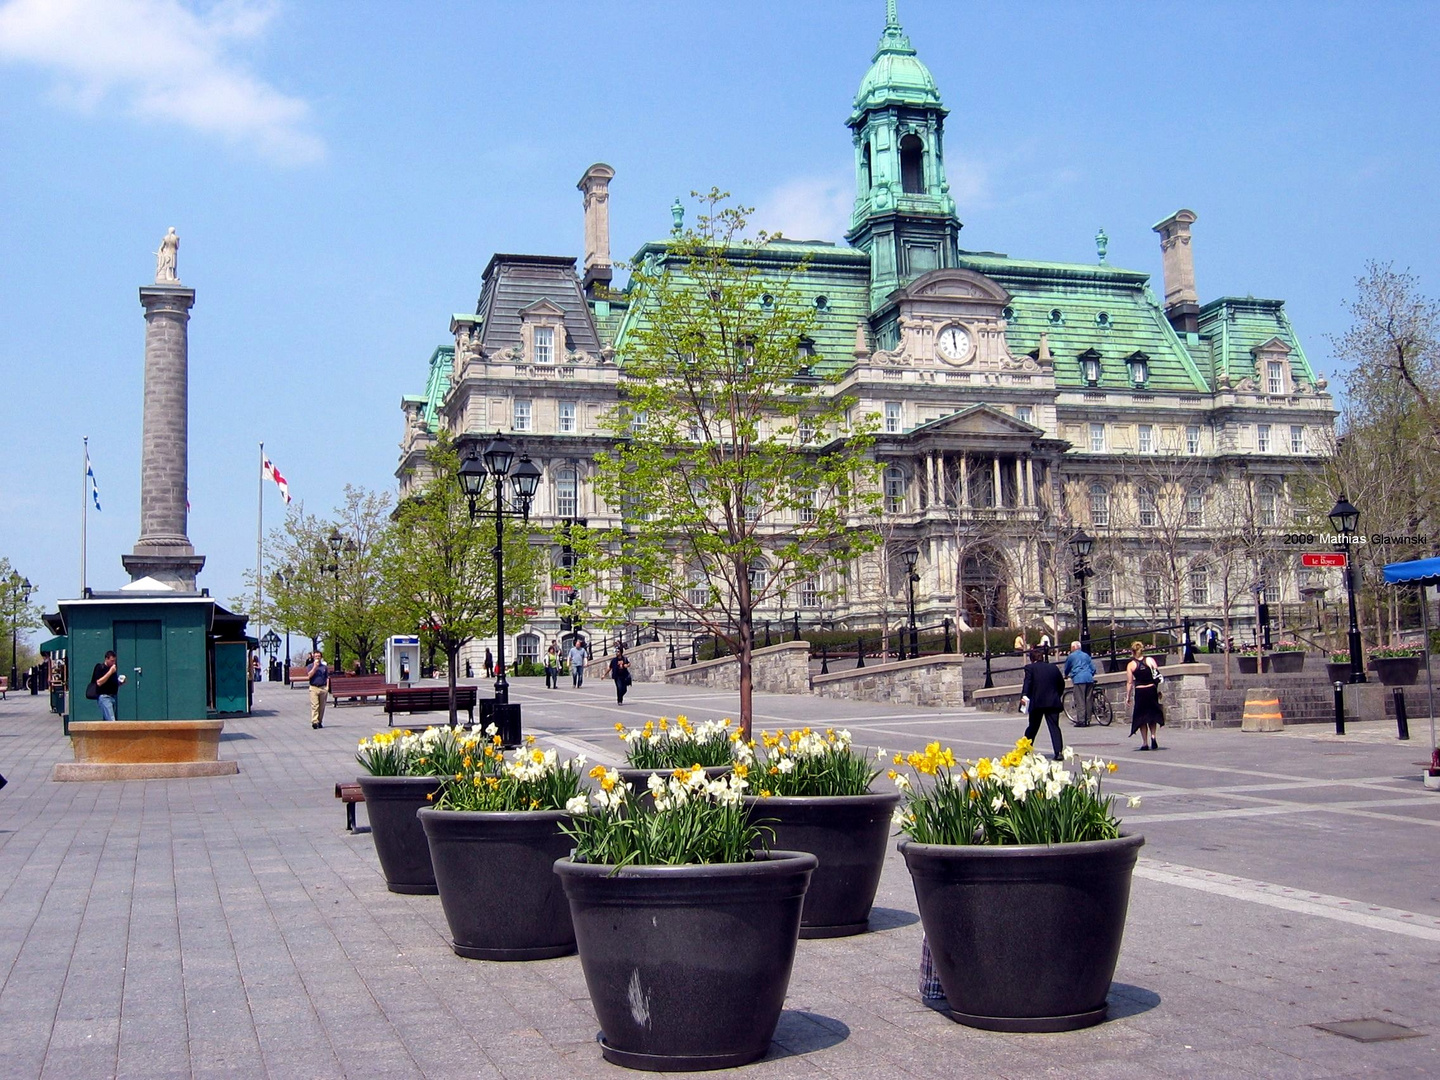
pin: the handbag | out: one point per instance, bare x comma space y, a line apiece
92, 691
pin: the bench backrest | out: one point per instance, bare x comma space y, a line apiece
357, 682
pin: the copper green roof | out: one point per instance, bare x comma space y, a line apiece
442, 363
1234, 326
896, 75
1082, 307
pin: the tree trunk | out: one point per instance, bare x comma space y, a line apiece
747, 682
452, 653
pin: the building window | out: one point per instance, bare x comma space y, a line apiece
1153, 588
1297, 439
892, 417
567, 493
759, 577
1024, 414
806, 509
1145, 501
912, 165
637, 422
697, 589
1194, 509
751, 508
1272, 584
1275, 377
895, 490
1097, 438
1090, 369
1199, 585
1099, 505
1104, 587
567, 417
522, 414
1147, 439
806, 430
1268, 511
1139, 371
1262, 438
1192, 439
809, 593
544, 342
527, 648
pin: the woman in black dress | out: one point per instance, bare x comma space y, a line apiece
1142, 685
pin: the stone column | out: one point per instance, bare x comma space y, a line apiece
965, 480
163, 551
998, 500
1030, 499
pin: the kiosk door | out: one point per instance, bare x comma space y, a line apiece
140, 656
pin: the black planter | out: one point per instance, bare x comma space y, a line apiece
1248, 665
847, 833
687, 966
1285, 663
1024, 938
390, 804
1337, 672
1397, 670
495, 872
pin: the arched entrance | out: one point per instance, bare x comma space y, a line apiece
983, 587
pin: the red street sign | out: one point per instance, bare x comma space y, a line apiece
1323, 558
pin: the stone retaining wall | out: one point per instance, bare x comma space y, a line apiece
780, 669
1186, 695
647, 663
934, 681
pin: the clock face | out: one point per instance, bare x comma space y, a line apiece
954, 343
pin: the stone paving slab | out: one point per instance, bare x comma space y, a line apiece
229, 926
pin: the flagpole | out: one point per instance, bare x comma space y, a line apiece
84, 509
259, 545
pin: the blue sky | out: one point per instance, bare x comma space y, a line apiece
340, 173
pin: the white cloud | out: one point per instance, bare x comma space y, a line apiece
163, 60
808, 208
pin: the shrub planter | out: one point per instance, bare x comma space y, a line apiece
847, 834
1285, 663
1248, 665
390, 804
1024, 938
495, 874
1397, 670
1337, 672
687, 966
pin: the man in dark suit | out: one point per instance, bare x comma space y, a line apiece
1042, 696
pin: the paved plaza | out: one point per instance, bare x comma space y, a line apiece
231, 927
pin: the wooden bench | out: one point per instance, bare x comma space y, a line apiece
413, 699
349, 793
358, 687
299, 677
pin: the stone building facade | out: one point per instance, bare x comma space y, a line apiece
1018, 400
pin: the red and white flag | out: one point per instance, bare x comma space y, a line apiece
272, 473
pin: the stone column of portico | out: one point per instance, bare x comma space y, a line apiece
163, 551
998, 500
1030, 499
965, 480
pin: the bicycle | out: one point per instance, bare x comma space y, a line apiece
1101, 711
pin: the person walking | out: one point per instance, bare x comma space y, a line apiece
1042, 695
489, 664
1142, 686
620, 674
552, 667
107, 681
1080, 670
577, 662
319, 675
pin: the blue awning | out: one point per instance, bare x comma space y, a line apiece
1416, 572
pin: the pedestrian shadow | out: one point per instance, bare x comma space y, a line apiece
1126, 1000
889, 918
801, 1032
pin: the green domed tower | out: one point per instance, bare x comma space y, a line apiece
904, 216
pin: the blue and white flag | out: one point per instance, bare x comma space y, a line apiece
90, 472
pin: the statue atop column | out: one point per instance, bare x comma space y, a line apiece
165, 259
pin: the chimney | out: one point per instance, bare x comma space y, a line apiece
596, 186
1182, 304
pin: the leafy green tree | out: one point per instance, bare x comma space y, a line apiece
17, 615
737, 473
300, 595
440, 565
366, 611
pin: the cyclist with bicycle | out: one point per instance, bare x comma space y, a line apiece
1080, 669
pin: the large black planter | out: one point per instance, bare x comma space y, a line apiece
1248, 665
1024, 938
687, 966
1397, 670
495, 872
1285, 663
847, 833
1337, 672
390, 804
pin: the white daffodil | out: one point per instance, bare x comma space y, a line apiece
997, 803
786, 766
576, 805
898, 817
492, 730
1068, 754
580, 761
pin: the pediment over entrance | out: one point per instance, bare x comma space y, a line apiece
979, 420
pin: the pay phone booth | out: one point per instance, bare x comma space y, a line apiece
402, 659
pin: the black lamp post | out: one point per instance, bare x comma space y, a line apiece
1345, 519
524, 479
286, 577
271, 644
339, 545
20, 590
911, 557
1082, 543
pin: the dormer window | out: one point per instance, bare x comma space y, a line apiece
1102, 320
544, 345
1057, 318
1274, 377
542, 332
1139, 368
1090, 367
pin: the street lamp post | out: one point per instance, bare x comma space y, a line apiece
1082, 543
286, 577
1345, 519
339, 545
496, 463
911, 557
20, 590
271, 644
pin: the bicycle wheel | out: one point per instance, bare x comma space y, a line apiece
1101, 711
1069, 704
